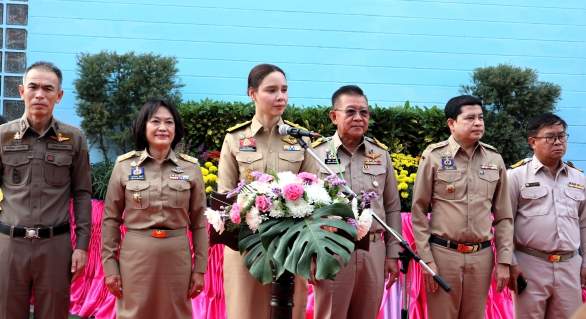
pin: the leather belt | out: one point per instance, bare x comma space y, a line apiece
463, 248
159, 233
554, 258
373, 237
34, 232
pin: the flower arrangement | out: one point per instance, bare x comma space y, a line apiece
405, 172
295, 216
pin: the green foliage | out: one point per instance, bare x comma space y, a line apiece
100, 172
110, 90
314, 118
511, 97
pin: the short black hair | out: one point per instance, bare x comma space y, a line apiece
3, 120
544, 120
349, 90
146, 113
45, 66
454, 106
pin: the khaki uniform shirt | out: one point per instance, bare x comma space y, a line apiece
253, 147
462, 196
550, 214
360, 175
40, 174
157, 199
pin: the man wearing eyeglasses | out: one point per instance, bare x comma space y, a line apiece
366, 165
549, 209
463, 180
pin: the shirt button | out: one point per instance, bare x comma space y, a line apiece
156, 175
354, 177
557, 200
249, 160
36, 184
470, 178
34, 206
270, 151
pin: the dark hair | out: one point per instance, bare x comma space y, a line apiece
544, 120
3, 120
146, 113
259, 72
348, 90
45, 66
455, 104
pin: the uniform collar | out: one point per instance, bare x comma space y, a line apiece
454, 146
144, 154
256, 126
536, 165
24, 125
337, 142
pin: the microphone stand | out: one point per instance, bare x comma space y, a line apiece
405, 256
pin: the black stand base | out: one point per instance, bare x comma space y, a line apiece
282, 291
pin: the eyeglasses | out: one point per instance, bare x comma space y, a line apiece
551, 139
365, 114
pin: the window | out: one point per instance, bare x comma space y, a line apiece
13, 63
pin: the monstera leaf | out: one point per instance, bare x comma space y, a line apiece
258, 259
299, 239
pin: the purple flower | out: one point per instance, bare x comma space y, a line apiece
277, 191
200, 148
353, 223
236, 190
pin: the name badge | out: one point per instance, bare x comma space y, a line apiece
136, 174
533, 184
14, 148
59, 146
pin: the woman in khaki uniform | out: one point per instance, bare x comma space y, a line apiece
157, 194
257, 146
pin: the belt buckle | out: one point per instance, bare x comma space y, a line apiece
31, 232
555, 258
467, 249
157, 233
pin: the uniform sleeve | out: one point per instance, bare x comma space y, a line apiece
582, 216
422, 191
199, 234
503, 218
514, 196
111, 221
309, 164
81, 192
392, 206
228, 176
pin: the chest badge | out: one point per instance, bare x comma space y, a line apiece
136, 174
373, 158
177, 170
576, 185
15, 176
448, 164
491, 167
247, 144
534, 184
136, 197
60, 138
330, 157
17, 136
450, 188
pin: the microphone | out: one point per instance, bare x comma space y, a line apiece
295, 132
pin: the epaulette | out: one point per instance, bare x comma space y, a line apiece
490, 147
230, 129
128, 155
521, 162
570, 164
381, 145
188, 158
436, 145
295, 125
319, 141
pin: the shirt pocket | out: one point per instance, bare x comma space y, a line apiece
375, 174
137, 194
448, 185
323, 173
534, 201
249, 162
57, 168
179, 194
573, 202
291, 161
487, 183
17, 168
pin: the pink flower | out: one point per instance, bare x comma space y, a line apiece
235, 213
265, 178
308, 178
293, 191
262, 203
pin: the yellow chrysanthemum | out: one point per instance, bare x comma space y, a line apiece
413, 175
204, 171
403, 186
404, 173
212, 178
205, 180
208, 164
404, 194
208, 189
408, 180
213, 169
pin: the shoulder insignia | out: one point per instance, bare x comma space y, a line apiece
436, 145
320, 141
489, 147
295, 125
521, 162
188, 158
230, 129
128, 155
570, 164
381, 145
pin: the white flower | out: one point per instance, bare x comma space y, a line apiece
245, 199
254, 218
276, 211
215, 219
263, 188
286, 178
317, 195
299, 208
354, 205
364, 222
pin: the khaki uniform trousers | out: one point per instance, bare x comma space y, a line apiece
247, 298
469, 275
44, 264
553, 289
358, 288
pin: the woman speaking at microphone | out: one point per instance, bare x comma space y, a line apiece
256, 145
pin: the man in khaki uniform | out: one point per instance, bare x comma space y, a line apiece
44, 163
549, 209
249, 147
464, 180
366, 165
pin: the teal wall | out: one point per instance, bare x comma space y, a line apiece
395, 50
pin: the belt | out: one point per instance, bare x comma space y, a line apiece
159, 233
554, 258
373, 237
34, 232
463, 248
